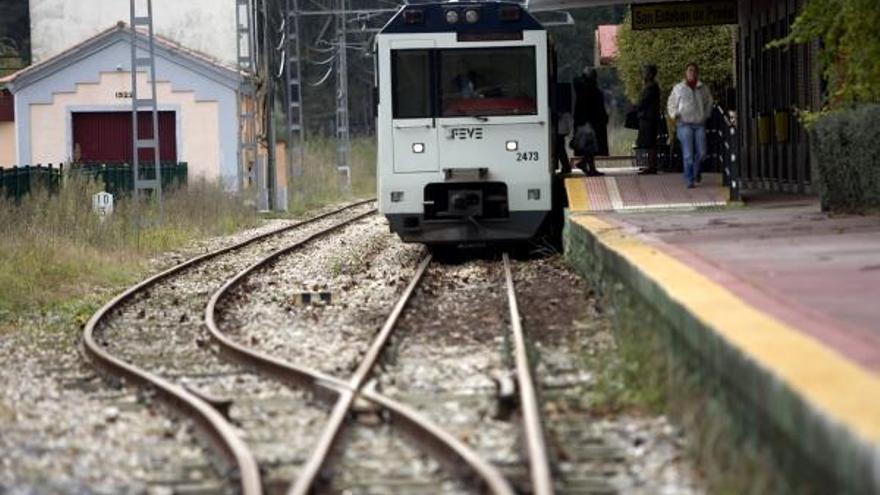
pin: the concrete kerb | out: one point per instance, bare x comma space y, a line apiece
803, 437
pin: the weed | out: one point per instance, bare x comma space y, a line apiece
650, 371
320, 182
54, 249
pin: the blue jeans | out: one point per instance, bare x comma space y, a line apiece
691, 136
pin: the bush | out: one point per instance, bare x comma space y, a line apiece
850, 47
845, 146
671, 49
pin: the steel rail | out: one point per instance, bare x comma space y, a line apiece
539, 463
210, 422
347, 391
346, 397
278, 368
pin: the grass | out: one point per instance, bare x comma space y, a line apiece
320, 183
621, 140
646, 372
54, 249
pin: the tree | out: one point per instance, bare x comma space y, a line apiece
575, 43
10, 59
850, 49
671, 49
14, 36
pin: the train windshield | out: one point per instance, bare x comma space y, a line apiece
469, 82
487, 81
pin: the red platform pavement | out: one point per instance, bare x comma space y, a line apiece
779, 300
617, 191
820, 273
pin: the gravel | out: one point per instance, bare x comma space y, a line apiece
65, 430
630, 452
364, 267
449, 350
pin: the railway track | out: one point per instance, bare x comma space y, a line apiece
151, 336
349, 389
281, 422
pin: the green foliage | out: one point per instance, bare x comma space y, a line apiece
671, 50
851, 47
10, 60
14, 36
575, 44
845, 146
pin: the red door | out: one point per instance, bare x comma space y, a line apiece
105, 137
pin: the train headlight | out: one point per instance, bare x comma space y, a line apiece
418, 147
451, 16
511, 146
471, 16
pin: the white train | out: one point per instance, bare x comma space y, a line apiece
465, 128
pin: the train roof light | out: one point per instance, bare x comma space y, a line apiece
472, 16
509, 13
413, 16
451, 16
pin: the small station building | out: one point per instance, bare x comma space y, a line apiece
76, 107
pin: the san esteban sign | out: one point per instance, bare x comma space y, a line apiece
683, 14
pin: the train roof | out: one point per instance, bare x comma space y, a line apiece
495, 17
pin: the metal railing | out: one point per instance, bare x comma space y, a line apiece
17, 182
722, 149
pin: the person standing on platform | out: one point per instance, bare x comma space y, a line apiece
690, 105
563, 129
648, 111
589, 108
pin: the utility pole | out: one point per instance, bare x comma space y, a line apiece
293, 94
139, 59
343, 137
246, 99
337, 15
267, 75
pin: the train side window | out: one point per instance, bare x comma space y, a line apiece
411, 80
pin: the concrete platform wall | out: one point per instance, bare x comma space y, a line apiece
809, 440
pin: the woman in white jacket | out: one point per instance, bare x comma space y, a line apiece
690, 104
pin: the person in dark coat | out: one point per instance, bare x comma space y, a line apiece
648, 111
589, 108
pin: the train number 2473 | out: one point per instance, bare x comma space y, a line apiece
527, 156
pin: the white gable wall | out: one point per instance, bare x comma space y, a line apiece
205, 106
207, 26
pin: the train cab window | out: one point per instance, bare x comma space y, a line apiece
487, 81
411, 71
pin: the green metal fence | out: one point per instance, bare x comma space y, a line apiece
18, 182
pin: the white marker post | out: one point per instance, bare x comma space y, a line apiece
102, 204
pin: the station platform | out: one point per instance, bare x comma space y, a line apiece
778, 299
624, 190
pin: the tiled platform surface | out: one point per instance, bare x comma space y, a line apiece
629, 191
779, 298
819, 273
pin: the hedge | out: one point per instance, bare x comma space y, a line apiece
846, 152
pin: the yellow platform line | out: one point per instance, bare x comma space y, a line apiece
841, 389
576, 189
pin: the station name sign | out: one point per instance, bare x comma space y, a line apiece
683, 14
